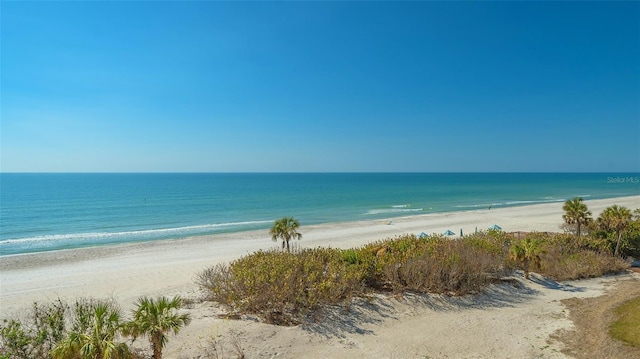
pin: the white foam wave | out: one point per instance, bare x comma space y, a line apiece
401, 206
478, 205
510, 203
392, 210
141, 234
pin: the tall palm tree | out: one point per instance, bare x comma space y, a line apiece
615, 219
155, 319
285, 228
576, 212
98, 341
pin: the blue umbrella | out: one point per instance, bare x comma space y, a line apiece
448, 233
495, 227
423, 235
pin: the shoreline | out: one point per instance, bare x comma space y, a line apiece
71, 253
167, 267
14, 250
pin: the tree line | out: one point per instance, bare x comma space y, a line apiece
616, 223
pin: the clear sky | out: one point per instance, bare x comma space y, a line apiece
320, 86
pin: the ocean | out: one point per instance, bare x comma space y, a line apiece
44, 212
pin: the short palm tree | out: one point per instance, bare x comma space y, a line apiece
527, 254
285, 228
155, 319
615, 219
576, 212
98, 341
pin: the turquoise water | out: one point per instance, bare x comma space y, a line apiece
42, 212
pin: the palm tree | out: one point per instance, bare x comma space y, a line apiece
98, 341
155, 318
576, 212
285, 228
615, 219
526, 253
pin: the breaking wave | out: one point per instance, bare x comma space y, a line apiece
72, 240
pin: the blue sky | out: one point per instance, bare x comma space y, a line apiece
320, 86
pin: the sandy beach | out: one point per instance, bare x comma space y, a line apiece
396, 329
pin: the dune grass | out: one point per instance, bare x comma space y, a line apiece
627, 327
283, 288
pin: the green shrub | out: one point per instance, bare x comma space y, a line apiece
525, 254
566, 257
17, 341
351, 256
571, 243
282, 287
36, 336
631, 240
451, 267
559, 264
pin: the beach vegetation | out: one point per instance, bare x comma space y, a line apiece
285, 228
449, 267
156, 318
16, 340
526, 254
85, 329
560, 265
615, 219
229, 346
630, 244
627, 325
100, 338
565, 257
606, 237
434, 264
283, 287
286, 287
576, 213
36, 336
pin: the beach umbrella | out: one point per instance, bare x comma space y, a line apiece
448, 233
423, 235
496, 227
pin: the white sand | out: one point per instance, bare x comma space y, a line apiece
168, 267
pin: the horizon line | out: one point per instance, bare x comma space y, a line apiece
314, 172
